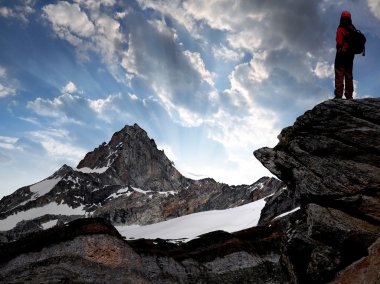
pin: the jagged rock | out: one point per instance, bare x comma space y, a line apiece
330, 161
282, 201
331, 151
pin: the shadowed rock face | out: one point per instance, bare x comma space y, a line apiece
331, 152
330, 161
91, 251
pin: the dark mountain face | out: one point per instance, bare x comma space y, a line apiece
133, 159
126, 181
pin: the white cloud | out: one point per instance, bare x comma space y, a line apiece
32, 120
68, 108
47, 107
226, 54
198, 64
258, 71
21, 12
95, 4
8, 143
88, 29
6, 91
70, 88
3, 72
324, 70
374, 6
57, 144
176, 10
133, 97
283, 31
68, 20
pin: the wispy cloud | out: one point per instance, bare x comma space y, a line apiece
58, 144
9, 143
21, 11
6, 89
88, 29
374, 6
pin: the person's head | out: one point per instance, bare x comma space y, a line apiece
345, 19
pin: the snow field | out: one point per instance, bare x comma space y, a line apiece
192, 225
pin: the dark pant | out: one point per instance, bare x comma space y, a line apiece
343, 75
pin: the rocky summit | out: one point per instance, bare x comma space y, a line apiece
323, 227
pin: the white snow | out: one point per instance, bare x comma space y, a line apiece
49, 224
141, 191
286, 213
192, 225
87, 170
52, 208
123, 191
167, 193
43, 187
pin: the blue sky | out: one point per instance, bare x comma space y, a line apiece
210, 81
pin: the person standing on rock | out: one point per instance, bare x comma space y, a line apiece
344, 58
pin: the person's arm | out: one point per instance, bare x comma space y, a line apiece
339, 39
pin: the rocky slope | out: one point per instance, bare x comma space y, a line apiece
330, 161
126, 181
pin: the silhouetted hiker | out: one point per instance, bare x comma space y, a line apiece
344, 58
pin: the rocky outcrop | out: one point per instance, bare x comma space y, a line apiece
330, 161
85, 251
90, 251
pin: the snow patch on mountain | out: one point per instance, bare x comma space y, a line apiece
52, 208
121, 192
43, 187
190, 226
49, 224
87, 170
287, 213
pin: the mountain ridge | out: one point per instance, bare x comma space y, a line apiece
126, 181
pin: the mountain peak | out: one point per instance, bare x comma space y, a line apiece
133, 158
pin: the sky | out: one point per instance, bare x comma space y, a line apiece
210, 81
